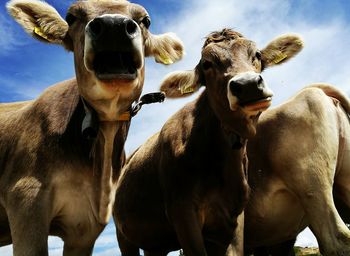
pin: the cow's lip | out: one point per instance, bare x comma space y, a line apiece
257, 105
112, 65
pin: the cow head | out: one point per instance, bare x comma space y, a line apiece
109, 38
230, 69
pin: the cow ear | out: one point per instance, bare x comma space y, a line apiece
166, 48
179, 84
39, 19
281, 49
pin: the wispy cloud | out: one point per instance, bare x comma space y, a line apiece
7, 35
322, 60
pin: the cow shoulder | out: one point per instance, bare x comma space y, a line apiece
55, 107
176, 132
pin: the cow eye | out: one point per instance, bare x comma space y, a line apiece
258, 55
206, 65
70, 18
146, 21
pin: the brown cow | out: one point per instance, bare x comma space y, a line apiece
54, 180
299, 159
186, 186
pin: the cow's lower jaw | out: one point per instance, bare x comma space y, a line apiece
121, 85
111, 100
258, 105
253, 108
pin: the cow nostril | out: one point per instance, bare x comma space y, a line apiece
130, 27
260, 84
236, 88
96, 27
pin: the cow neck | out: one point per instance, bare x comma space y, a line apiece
234, 140
230, 164
108, 160
108, 140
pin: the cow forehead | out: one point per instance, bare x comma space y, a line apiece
229, 48
93, 8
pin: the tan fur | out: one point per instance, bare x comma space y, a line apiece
190, 177
166, 48
299, 165
281, 49
186, 84
333, 92
287, 46
14, 105
46, 18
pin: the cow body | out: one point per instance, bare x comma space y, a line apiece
186, 186
298, 161
200, 179
60, 155
51, 175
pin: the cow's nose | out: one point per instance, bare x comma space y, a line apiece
108, 30
248, 87
96, 28
248, 83
130, 27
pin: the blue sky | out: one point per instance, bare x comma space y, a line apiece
27, 67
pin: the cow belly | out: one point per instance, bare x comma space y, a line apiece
273, 216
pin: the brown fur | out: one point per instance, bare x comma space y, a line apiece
186, 186
224, 35
53, 180
299, 161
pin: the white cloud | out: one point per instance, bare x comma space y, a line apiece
306, 239
6, 250
322, 60
7, 35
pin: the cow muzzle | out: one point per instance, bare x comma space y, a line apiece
113, 47
249, 92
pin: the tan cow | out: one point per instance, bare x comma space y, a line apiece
54, 180
298, 161
186, 186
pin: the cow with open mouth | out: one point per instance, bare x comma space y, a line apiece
187, 185
61, 154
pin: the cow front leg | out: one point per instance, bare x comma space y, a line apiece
29, 230
185, 221
126, 248
285, 248
214, 249
147, 253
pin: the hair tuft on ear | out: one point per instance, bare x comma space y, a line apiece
39, 19
179, 84
166, 48
281, 49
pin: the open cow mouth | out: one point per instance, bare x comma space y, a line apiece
257, 104
115, 66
